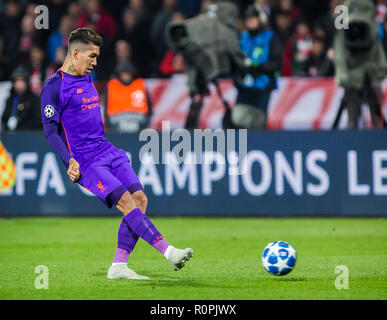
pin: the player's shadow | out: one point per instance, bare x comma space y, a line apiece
286, 279
191, 283
159, 280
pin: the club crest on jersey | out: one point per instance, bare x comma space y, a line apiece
49, 111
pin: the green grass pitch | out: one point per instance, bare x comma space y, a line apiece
226, 262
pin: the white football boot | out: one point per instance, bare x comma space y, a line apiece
178, 257
121, 271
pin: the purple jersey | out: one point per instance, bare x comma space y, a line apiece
72, 119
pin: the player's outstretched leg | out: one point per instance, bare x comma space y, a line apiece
178, 257
126, 244
144, 228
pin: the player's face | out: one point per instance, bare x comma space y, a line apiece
87, 59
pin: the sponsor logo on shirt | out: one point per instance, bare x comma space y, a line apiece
90, 103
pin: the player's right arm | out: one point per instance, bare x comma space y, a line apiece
51, 110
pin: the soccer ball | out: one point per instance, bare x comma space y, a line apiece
279, 258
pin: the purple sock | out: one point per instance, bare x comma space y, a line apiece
121, 255
161, 245
144, 228
126, 242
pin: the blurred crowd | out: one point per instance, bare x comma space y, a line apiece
133, 32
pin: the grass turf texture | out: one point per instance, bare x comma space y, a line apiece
226, 262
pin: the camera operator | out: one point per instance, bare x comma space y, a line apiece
264, 51
210, 46
360, 63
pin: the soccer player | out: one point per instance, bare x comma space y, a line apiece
73, 126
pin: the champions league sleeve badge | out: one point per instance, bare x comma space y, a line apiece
49, 111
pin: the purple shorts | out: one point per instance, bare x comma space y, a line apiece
108, 173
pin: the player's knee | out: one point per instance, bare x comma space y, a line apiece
141, 200
126, 203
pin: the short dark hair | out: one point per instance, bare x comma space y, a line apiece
86, 36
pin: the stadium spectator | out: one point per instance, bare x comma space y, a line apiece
385, 36
172, 62
381, 16
128, 107
27, 39
381, 10
104, 22
319, 64
263, 49
143, 16
96, 17
10, 32
327, 22
22, 108
157, 32
3, 63
128, 26
311, 11
60, 37
320, 32
139, 7
147, 7
30, 9
288, 6
37, 68
297, 51
282, 26
60, 55
135, 29
40, 36
74, 10
57, 9
122, 53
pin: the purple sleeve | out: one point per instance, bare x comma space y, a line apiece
51, 108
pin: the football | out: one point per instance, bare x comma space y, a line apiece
279, 258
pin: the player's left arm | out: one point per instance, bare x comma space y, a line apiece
73, 170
